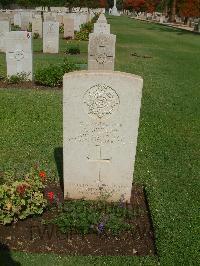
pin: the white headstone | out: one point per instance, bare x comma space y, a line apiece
101, 51
37, 26
102, 28
24, 21
102, 19
101, 119
50, 37
59, 18
49, 17
4, 27
19, 53
161, 19
17, 19
101, 25
77, 21
68, 27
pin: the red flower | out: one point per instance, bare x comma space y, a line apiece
50, 196
43, 175
21, 189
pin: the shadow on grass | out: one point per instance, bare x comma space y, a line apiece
5, 257
58, 155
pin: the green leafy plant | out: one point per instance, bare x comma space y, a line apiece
30, 27
61, 29
73, 49
81, 216
18, 78
15, 27
86, 29
36, 35
52, 75
2, 76
23, 197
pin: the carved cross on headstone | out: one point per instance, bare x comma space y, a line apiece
99, 159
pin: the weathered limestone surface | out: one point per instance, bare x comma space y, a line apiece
37, 26
101, 118
4, 27
19, 53
50, 37
101, 51
68, 27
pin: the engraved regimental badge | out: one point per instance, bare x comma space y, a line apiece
101, 101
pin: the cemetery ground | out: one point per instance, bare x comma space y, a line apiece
168, 143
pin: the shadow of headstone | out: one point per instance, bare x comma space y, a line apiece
58, 155
5, 257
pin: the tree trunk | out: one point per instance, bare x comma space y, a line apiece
165, 9
173, 11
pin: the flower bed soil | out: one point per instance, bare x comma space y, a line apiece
26, 85
32, 236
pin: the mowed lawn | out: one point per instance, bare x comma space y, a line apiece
167, 161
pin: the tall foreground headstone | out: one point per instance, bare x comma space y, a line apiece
19, 53
101, 118
50, 37
101, 51
4, 27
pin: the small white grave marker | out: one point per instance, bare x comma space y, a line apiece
4, 27
101, 51
50, 37
19, 53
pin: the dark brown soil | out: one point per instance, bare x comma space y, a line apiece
31, 236
26, 85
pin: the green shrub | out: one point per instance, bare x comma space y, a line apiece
36, 35
2, 76
73, 49
15, 27
95, 18
30, 27
18, 78
82, 35
86, 29
23, 197
61, 29
52, 75
81, 216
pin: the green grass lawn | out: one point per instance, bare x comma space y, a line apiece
167, 160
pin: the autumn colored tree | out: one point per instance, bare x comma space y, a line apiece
142, 5
189, 8
151, 5
103, 3
137, 5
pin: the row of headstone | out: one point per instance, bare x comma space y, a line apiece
18, 44
101, 110
24, 18
160, 18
